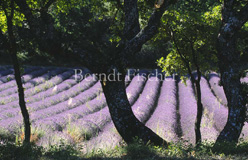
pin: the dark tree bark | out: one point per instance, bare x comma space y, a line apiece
198, 95
199, 111
229, 64
132, 26
128, 126
12, 47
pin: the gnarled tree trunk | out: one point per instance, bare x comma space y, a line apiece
230, 79
128, 126
229, 64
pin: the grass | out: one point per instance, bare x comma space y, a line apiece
12, 151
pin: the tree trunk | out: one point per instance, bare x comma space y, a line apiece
197, 90
22, 103
230, 79
229, 64
13, 51
199, 112
128, 126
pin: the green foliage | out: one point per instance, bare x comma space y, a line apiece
192, 27
17, 19
9, 151
172, 64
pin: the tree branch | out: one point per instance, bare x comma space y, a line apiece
134, 45
243, 15
132, 26
195, 60
186, 62
232, 19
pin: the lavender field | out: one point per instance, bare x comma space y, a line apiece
75, 112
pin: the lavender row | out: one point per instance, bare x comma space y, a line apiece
34, 100
30, 98
187, 110
53, 100
214, 80
31, 82
208, 131
9, 91
8, 80
12, 124
130, 74
26, 77
66, 85
215, 109
91, 124
78, 111
144, 106
6, 71
107, 139
163, 120
11, 100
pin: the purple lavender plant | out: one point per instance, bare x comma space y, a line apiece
146, 102
163, 120
59, 102
215, 109
109, 138
25, 78
217, 89
187, 110
45, 86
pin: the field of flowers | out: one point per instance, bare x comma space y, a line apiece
65, 110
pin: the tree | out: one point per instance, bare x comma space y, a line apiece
191, 49
109, 50
234, 16
11, 45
